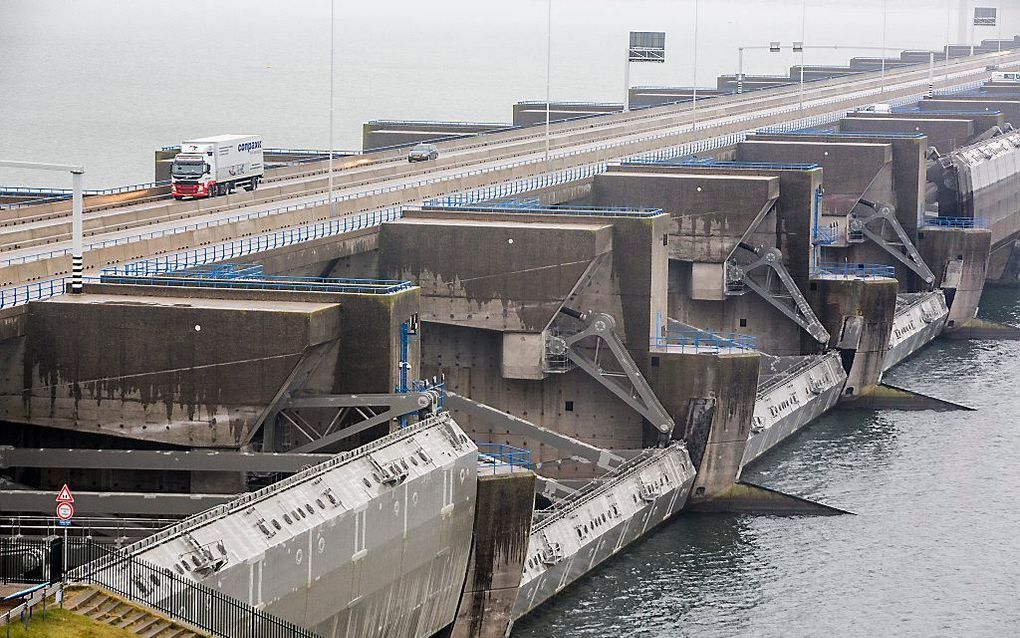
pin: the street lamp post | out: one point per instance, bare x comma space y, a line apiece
803, 39
885, 22
332, 57
548, 78
77, 205
694, 102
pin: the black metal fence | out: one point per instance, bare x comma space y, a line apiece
92, 562
30, 560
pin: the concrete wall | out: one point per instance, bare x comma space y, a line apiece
871, 305
710, 213
851, 169
142, 369
983, 120
571, 403
499, 276
745, 314
630, 283
943, 134
1009, 108
129, 362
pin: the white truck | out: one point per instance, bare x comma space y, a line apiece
214, 166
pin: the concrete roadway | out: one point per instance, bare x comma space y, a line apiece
561, 144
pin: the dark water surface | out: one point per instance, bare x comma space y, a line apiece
932, 551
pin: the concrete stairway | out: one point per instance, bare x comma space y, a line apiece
110, 610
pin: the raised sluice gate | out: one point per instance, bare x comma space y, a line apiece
792, 392
372, 543
580, 531
920, 318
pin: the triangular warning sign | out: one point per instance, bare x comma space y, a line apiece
65, 495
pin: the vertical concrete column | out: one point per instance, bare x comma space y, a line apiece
711, 397
959, 259
504, 507
859, 314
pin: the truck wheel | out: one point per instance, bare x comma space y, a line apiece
254, 182
178, 197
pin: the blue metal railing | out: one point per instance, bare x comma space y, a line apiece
866, 271
855, 135
536, 208
702, 340
940, 112
825, 236
265, 282
714, 163
222, 271
494, 456
955, 222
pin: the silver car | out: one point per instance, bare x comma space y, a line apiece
423, 153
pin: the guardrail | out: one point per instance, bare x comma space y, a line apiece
864, 271
178, 597
66, 193
704, 341
493, 457
955, 222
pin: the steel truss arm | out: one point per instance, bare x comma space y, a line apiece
640, 395
799, 311
576, 449
904, 251
396, 405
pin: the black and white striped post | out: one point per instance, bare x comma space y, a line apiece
77, 259
931, 74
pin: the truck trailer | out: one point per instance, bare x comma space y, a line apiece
217, 165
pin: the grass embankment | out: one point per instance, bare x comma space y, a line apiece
61, 623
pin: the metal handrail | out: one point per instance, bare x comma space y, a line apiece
495, 456
455, 202
23, 611
866, 271
702, 340
956, 222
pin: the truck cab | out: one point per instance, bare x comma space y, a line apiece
191, 176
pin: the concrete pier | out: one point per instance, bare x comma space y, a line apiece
504, 507
713, 398
858, 313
